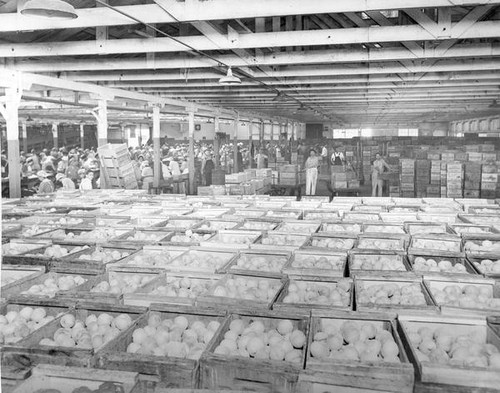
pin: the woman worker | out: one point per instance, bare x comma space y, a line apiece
377, 169
312, 164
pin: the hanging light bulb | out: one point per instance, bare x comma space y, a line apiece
52, 9
229, 79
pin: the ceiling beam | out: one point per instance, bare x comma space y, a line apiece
215, 10
361, 35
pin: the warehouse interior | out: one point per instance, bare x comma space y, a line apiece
268, 196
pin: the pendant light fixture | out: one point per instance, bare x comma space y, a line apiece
50, 9
229, 79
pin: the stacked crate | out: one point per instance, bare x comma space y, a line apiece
117, 170
423, 177
489, 180
448, 156
475, 156
454, 180
407, 178
288, 174
434, 189
443, 179
472, 183
367, 162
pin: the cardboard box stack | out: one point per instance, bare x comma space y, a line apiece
454, 180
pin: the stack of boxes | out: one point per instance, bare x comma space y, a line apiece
339, 177
423, 177
367, 162
489, 180
434, 189
472, 180
454, 180
443, 178
407, 178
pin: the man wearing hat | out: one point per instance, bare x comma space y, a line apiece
67, 184
45, 186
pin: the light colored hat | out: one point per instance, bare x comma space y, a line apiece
59, 176
42, 174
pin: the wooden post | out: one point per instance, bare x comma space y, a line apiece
25, 137
216, 143
55, 135
235, 146
191, 153
102, 123
156, 146
250, 137
82, 136
11, 116
261, 132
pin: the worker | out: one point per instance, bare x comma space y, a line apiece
324, 153
377, 169
260, 159
312, 164
208, 169
67, 183
46, 186
86, 183
337, 157
146, 176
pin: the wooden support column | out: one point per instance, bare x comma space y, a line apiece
261, 132
156, 146
11, 115
25, 137
235, 146
250, 141
102, 123
55, 134
191, 152
216, 143
82, 136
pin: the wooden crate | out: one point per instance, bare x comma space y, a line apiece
337, 260
149, 259
431, 245
181, 223
14, 293
361, 216
217, 225
215, 260
476, 264
219, 372
212, 300
282, 257
83, 262
173, 372
337, 242
469, 269
260, 224
14, 275
376, 376
425, 228
356, 256
137, 238
281, 306
344, 227
384, 228
466, 230
232, 240
321, 214
385, 242
445, 377
31, 352
433, 283
489, 246
428, 308
285, 214
29, 231
271, 240
144, 296
298, 227
68, 379
82, 236
87, 295
398, 217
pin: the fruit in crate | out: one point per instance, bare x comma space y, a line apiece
57, 251
87, 333
281, 213
190, 237
378, 262
104, 255
65, 221
428, 244
180, 224
32, 231
391, 294
334, 294
146, 236
183, 287
122, 283
15, 325
426, 229
259, 225
45, 211
349, 228
54, 284
235, 238
470, 230
431, 265
484, 246
445, 346
274, 239
200, 260
217, 225
282, 341
145, 258
321, 216
468, 296
100, 234
488, 266
262, 290
330, 242
298, 228
18, 248
174, 337
379, 244
266, 263
354, 341
384, 229
318, 262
